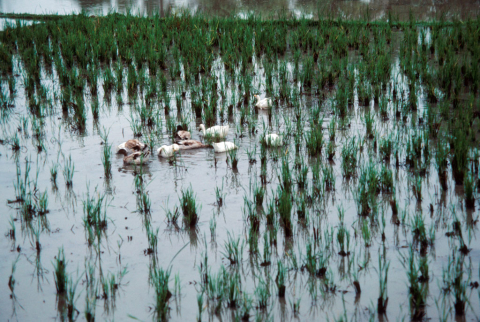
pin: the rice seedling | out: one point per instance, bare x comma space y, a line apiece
454, 282
386, 148
343, 235
60, 274
200, 306
246, 305
369, 125
267, 252
284, 208
220, 195
172, 215
302, 175
152, 236
144, 205
417, 188
441, 164
296, 306
286, 176
328, 178
42, 207
417, 287
233, 250
232, 288
68, 171
159, 279
366, 233
383, 267
12, 231
95, 215
468, 185
251, 153
349, 159
314, 140
15, 143
232, 156
258, 193
189, 207
262, 293
213, 227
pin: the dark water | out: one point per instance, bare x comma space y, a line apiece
374, 9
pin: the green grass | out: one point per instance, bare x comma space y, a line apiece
68, 171
61, 276
233, 250
189, 208
159, 279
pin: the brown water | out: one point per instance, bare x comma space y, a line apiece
352, 9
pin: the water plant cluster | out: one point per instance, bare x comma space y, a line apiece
377, 173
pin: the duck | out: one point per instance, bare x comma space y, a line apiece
137, 158
263, 103
166, 151
273, 140
191, 144
217, 131
131, 146
223, 146
182, 134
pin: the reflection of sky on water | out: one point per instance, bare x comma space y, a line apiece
377, 9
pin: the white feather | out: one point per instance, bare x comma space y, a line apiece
121, 147
166, 151
217, 131
223, 146
273, 140
263, 103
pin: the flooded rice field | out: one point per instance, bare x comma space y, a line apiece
363, 208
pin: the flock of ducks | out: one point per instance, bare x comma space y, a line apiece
138, 153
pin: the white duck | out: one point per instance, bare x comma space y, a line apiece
216, 131
263, 103
131, 146
223, 146
166, 151
191, 144
182, 134
137, 158
273, 140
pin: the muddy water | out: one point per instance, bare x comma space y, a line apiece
352, 9
203, 171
